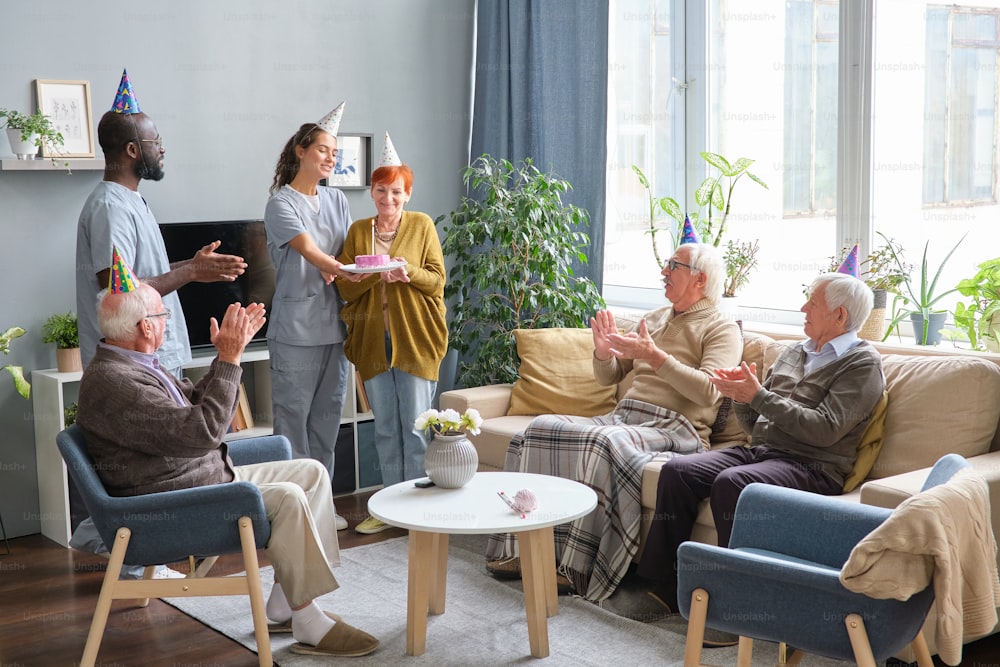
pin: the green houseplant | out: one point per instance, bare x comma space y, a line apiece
16, 372
62, 329
33, 130
514, 242
715, 194
918, 300
980, 318
880, 271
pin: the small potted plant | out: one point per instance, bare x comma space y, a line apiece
64, 332
29, 132
918, 299
16, 372
980, 317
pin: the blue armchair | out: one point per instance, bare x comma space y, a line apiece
202, 522
780, 579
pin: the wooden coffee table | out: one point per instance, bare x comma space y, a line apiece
432, 514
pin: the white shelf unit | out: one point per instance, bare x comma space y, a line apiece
52, 391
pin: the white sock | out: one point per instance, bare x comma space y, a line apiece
277, 608
310, 624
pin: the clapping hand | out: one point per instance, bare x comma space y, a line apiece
740, 383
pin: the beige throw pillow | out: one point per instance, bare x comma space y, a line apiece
556, 375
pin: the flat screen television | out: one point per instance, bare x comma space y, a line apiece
201, 301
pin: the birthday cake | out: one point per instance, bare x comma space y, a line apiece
371, 261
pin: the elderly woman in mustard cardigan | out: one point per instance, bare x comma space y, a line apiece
396, 329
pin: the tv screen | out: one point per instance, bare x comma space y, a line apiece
201, 301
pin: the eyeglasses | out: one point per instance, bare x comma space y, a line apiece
158, 141
166, 314
673, 264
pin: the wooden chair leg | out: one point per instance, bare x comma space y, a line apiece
204, 567
859, 640
100, 620
919, 645
696, 628
744, 655
256, 592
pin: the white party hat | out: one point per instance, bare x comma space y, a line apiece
389, 157
330, 123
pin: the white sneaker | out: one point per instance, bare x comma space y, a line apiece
340, 521
164, 572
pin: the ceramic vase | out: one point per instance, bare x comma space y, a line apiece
450, 460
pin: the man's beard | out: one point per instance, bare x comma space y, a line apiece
149, 172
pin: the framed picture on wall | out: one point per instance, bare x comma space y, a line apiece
353, 169
67, 104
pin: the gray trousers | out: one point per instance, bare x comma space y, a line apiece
307, 397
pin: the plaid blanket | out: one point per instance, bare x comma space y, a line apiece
607, 453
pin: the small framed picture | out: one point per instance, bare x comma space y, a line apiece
353, 169
67, 104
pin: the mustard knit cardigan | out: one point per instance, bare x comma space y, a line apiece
417, 322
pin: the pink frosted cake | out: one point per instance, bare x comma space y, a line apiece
371, 261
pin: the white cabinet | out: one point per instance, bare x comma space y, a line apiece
52, 391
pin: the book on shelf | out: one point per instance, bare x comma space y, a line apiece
243, 418
363, 404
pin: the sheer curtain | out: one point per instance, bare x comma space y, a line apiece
541, 92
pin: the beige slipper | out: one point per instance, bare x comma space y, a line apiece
342, 640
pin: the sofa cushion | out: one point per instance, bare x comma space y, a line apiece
870, 445
937, 405
556, 375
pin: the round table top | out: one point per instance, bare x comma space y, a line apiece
475, 508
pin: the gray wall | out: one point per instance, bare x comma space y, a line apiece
227, 84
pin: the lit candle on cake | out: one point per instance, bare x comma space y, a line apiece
373, 235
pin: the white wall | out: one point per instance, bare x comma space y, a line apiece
226, 84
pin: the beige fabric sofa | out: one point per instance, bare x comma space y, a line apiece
939, 402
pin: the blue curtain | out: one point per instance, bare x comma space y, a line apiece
541, 83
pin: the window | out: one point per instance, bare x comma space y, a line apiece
810, 103
917, 149
960, 105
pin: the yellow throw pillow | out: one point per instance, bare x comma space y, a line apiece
870, 445
556, 375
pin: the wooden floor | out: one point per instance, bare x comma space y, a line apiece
48, 594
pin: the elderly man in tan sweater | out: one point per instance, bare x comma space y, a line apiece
669, 408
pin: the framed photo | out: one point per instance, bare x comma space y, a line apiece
67, 104
353, 169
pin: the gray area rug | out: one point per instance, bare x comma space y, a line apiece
484, 620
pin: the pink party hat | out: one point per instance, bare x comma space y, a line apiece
330, 123
850, 263
389, 157
689, 235
121, 279
125, 101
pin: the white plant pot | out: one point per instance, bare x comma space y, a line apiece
24, 150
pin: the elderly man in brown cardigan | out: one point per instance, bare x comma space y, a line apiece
149, 432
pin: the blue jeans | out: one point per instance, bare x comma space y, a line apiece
397, 399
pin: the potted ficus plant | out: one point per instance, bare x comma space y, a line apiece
514, 243
29, 132
63, 330
917, 301
715, 195
980, 317
16, 372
